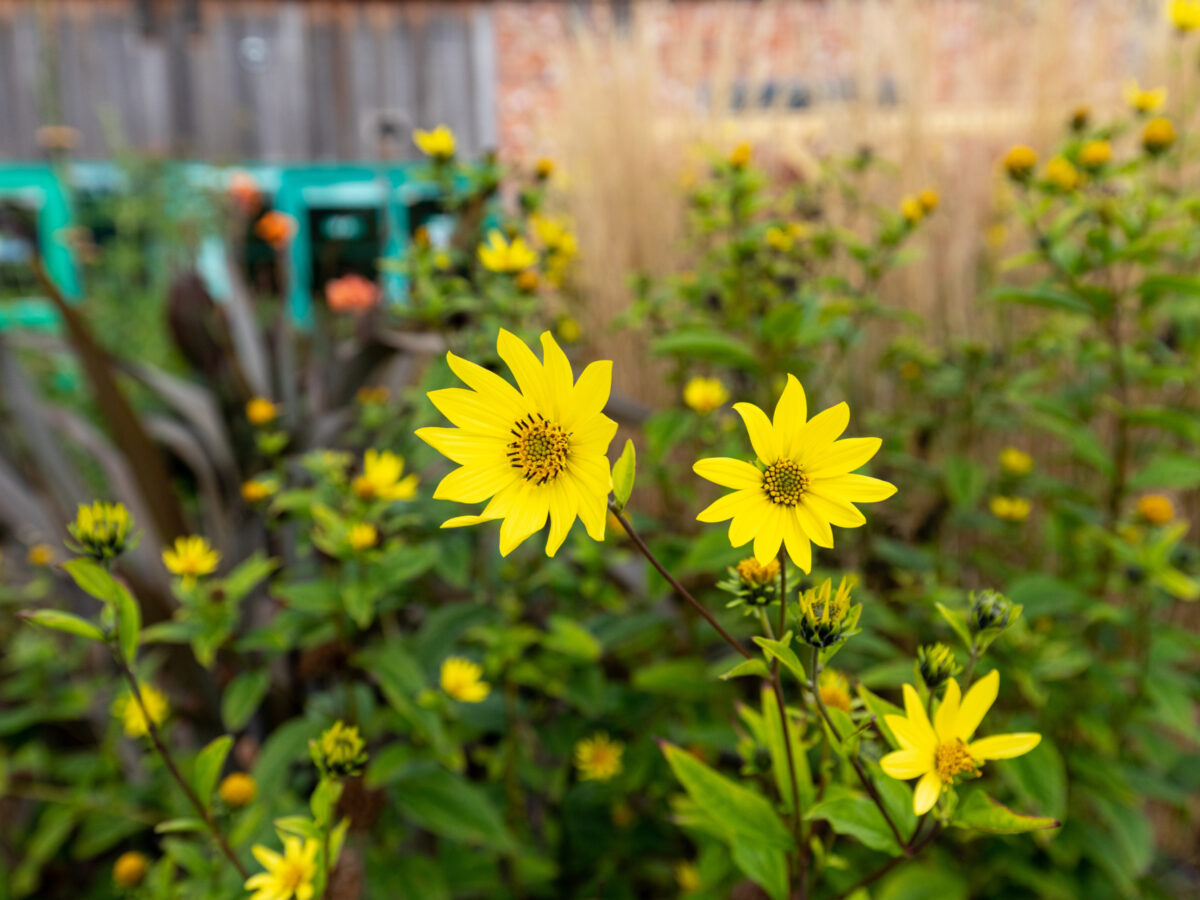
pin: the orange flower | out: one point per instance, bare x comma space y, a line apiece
351, 294
244, 192
275, 228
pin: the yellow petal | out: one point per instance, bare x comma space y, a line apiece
463, 447
474, 483
947, 712
1004, 746
496, 389
590, 394
465, 521
727, 507
745, 524
266, 857
796, 541
814, 527
831, 508
858, 488
563, 504
526, 368
528, 516
470, 411
905, 764
822, 430
915, 710
770, 535
762, 435
910, 735
790, 414
730, 473
843, 457
560, 383
975, 704
926, 793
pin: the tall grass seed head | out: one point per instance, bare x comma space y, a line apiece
936, 664
1158, 135
102, 531
1019, 162
824, 617
340, 751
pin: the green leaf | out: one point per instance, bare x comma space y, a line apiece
568, 637
958, 621
1176, 471
242, 698
965, 481
782, 651
881, 708
711, 346
744, 814
91, 578
754, 666
854, 814
980, 812
242, 580
64, 621
207, 768
95, 580
765, 866
176, 826
415, 878
452, 807
129, 623
780, 763
1045, 297
623, 475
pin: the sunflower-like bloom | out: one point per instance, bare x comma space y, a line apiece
1095, 154
238, 789
363, 536
190, 558
438, 144
288, 876
938, 753
1157, 509
261, 411
463, 680
126, 709
537, 451
102, 530
834, 688
130, 869
1158, 135
598, 758
1019, 161
705, 395
1184, 14
383, 477
1015, 462
1144, 101
803, 483
498, 255
340, 751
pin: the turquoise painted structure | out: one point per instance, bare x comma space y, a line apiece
390, 190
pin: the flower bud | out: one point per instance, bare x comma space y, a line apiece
989, 609
130, 869
238, 789
340, 751
937, 665
102, 531
758, 584
824, 616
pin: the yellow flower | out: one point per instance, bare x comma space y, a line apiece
527, 281
1157, 509
1019, 161
705, 394
261, 411
1184, 14
929, 200
40, 555
463, 680
1145, 101
1158, 135
1060, 173
598, 758
1015, 462
939, 752
778, 238
191, 557
1010, 509
555, 234
237, 789
569, 330
825, 616
912, 210
803, 484
126, 709
255, 491
739, 157
130, 869
363, 536
383, 478
544, 168
834, 688
687, 876
287, 876
102, 530
1080, 117
442, 261
538, 452
498, 255
438, 144
340, 750
1095, 154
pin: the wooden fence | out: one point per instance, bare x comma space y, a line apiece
251, 80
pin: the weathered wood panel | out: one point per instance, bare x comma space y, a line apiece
270, 81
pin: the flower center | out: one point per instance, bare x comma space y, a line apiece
785, 482
291, 875
539, 449
952, 759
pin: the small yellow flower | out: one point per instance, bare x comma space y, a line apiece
498, 255
442, 261
938, 753
912, 210
739, 157
363, 536
527, 281
340, 751
705, 394
261, 411
126, 709
687, 876
1015, 462
438, 144
544, 168
1019, 161
1145, 101
383, 477
1158, 135
373, 396
569, 330
1157, 509
834, 688
1184, 14
130, 869
753, 573
463, 680
929, 200
237, 789
910, 370
288, 876
598, 758
797, 230
190, 558
40, 555
825, 614
102, 530
1010, 509
255, 491
1095, 154
1080, 117
778, 238
555, 234
1060, 173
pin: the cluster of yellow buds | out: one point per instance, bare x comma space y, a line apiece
339, 752
936, 664
825, 616
758, 585
102, 531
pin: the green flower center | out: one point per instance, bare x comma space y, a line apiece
539, 449
953, 759
785, 482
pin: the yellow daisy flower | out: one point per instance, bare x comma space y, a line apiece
287, 876
1184, 14
1145, 101
1060, 173
261, 411
1157, 509
126, 709
705, 394
1015, 462
537, 451
803, 483
363, 536
938, 753
255, 491
463, 680
598, 758
498, 255
191, 557
438, 144
383, 477
1010, 509
238, 789
1158, 135
40, 555
1019, 161
834, 688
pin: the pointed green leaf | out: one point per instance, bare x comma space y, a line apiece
782, 651
958, 622
623, 473
242, 698
64, 621
207, 768
980, 812
176, 826
753, 666
854, 814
